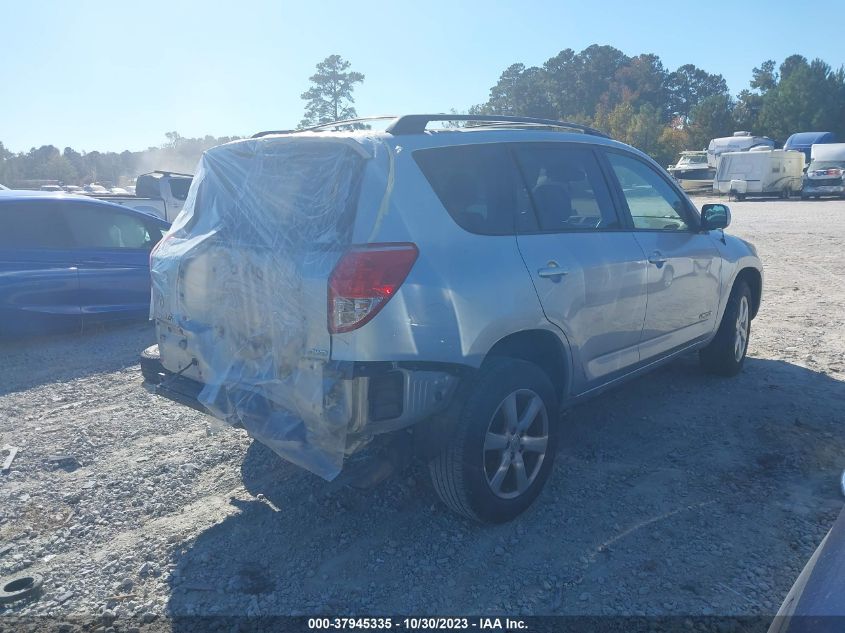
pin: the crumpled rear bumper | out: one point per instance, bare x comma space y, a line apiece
381, 397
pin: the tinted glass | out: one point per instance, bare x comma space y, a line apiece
567, 188
179, 187
33, 225
478, 185
653, 203
98, 227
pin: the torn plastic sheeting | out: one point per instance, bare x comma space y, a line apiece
239, 284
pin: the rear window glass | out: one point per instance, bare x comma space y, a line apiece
478, 185
286, 194
33, 225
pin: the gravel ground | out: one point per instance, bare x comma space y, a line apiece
676, 494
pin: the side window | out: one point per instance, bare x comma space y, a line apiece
478, 185
98, 227
33, 225
653, 203
567, 188
179, 187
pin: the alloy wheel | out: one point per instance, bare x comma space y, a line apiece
515, 443
741, 336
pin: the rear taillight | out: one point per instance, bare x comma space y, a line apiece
364, 280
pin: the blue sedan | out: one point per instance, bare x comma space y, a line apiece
68, 262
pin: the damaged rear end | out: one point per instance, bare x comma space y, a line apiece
241, 292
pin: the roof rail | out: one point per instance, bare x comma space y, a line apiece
327, 126
416, 123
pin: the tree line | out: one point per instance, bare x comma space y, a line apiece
638, 101
71, 167
635, 99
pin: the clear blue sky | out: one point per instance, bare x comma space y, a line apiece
118, 75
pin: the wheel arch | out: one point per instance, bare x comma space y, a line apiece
754, 279
544, 349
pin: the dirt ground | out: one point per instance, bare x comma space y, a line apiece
678, 493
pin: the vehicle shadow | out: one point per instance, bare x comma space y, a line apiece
65, 357
661, 484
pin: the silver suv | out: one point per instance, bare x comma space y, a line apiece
457, 286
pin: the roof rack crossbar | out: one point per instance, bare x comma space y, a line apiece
416, 123
327, 126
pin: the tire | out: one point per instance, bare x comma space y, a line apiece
467, 473
151, 367
725, 354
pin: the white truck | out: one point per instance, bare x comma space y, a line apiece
825, 172
739, 142
760, 172
162, 193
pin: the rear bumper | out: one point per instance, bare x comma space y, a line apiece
811, 188
381, 396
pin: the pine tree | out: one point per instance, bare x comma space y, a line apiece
330, 96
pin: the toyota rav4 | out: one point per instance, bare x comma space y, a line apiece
457, 285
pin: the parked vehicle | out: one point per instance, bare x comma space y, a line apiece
457, 286
739, 142
95, 188
161, 193
803, 141
68, 262
760, 172
815, 602
72, 189
51, 188
692, 170
825, 171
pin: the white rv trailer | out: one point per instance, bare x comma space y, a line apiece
739, 142
760, 172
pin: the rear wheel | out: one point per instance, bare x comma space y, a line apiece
503, 444
726, 353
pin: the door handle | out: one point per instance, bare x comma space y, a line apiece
657, 259
552, 272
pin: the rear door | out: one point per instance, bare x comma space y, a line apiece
39, 287
684, 266
587, 267
113, 260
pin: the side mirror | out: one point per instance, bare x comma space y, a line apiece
715, 216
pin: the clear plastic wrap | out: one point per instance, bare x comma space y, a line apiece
239, 289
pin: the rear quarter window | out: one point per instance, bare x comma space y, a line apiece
478, 185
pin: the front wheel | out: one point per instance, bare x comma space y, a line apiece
725, 354
504, 441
